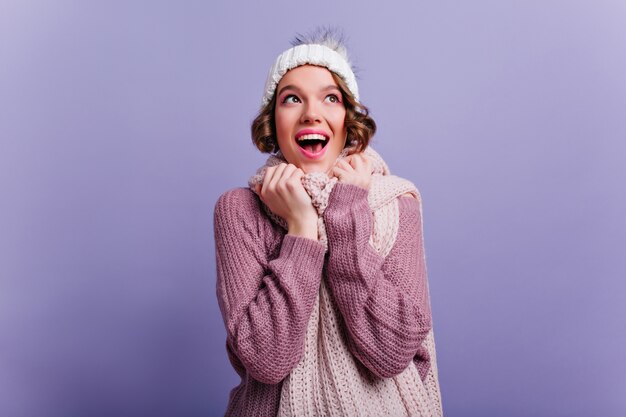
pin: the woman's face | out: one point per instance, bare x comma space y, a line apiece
309, 118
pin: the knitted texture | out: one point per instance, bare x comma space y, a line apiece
329, 380
267, 282
317, 184
313, 54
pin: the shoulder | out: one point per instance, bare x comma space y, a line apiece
235, 198
387, 188
238, 204
405, 187
239, 215
408, 196
409, 203
412, 195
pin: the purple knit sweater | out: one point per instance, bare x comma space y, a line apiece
267, 282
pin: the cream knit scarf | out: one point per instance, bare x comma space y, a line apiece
328, 380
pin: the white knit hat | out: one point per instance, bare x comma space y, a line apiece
314, 54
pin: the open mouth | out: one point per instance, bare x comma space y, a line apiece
312, 143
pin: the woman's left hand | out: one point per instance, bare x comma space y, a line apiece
354, 169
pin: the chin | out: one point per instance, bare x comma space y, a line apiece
309, 168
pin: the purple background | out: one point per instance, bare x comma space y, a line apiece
122, 122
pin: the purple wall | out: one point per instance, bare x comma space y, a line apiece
121, 124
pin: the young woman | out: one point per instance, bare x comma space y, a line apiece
321, 275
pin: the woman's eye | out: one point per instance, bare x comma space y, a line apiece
291, 99
333, 98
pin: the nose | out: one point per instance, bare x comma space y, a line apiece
310, 114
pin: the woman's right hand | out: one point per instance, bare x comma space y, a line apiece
282, 191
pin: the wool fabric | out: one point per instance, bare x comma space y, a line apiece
327, 381
313, 54
345, 334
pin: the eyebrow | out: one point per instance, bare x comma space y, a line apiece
293, 87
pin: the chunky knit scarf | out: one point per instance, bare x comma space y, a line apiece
327, 381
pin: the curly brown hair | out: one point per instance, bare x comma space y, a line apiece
359, 124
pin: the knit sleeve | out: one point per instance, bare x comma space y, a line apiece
383, 301
265, 299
